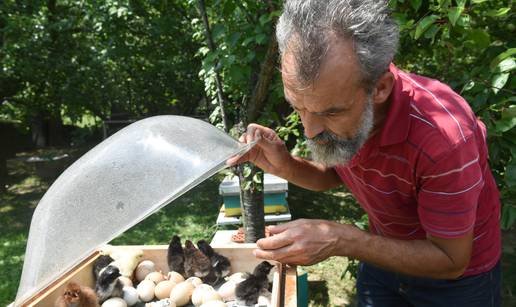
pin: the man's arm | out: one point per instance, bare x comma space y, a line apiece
310, 175
434, 257
306, 242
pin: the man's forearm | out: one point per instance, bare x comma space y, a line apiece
415, 257
310, 175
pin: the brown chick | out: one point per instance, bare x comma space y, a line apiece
196, 263
77, 296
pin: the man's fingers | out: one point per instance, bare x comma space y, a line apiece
281, 254
274, 242
275, 229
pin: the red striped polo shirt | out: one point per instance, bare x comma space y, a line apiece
427, 171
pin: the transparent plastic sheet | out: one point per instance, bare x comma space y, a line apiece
117, 184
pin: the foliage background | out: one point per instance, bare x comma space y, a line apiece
67, 65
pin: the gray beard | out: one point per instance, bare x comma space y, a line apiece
336, 150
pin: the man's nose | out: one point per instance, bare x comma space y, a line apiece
312, 123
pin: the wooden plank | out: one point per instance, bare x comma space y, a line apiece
240, 255
81, 273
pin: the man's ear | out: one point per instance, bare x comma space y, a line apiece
383, 88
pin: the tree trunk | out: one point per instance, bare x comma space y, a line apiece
261, 89
252, 204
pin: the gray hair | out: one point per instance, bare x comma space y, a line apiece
311, 23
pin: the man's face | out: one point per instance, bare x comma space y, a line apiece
336, 111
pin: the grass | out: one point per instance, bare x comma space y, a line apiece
193, 216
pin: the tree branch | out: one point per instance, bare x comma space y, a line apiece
218, 81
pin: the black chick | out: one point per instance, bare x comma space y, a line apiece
247, 291
196, 263
108, 285
220, 264
176, 256
100, 263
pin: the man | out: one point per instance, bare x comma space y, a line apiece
409, 149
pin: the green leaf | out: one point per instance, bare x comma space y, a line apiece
247, 172
510, 111
499, 12
257, 178
504, 125
261, 38
468, 86
424, 24
480, 37
416, 4
454, 14
510, 174
499, 81
265, 19
478, 1
506, 65
502, 56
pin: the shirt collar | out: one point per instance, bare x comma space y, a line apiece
396, 127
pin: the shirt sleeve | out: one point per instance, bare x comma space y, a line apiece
449, 190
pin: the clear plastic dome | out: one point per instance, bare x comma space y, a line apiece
114, 186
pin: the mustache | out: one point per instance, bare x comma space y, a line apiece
327, 136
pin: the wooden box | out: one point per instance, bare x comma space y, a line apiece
284, 292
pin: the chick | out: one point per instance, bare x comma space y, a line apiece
99, 264
108, 285
248, 291
196, 263
77, 296
220, 264
176, 256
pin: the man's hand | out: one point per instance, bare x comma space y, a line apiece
270, 153
301, 242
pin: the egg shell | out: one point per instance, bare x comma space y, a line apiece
237, 277
126, 281
156, 277
114, 302
227, 291
214, 304
130, 295
195, 281
199, 292
164, 288
209, 296
265, 298
161, 303
143, 269
181, 293
146, 290
175, 276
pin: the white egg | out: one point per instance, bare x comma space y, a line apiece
156, 277
195, 281
146, 290
130, 295
181, 293
214, 304
144, 268
114, 302
175, 276
199, 292
126, 281
164, 288
227, 291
